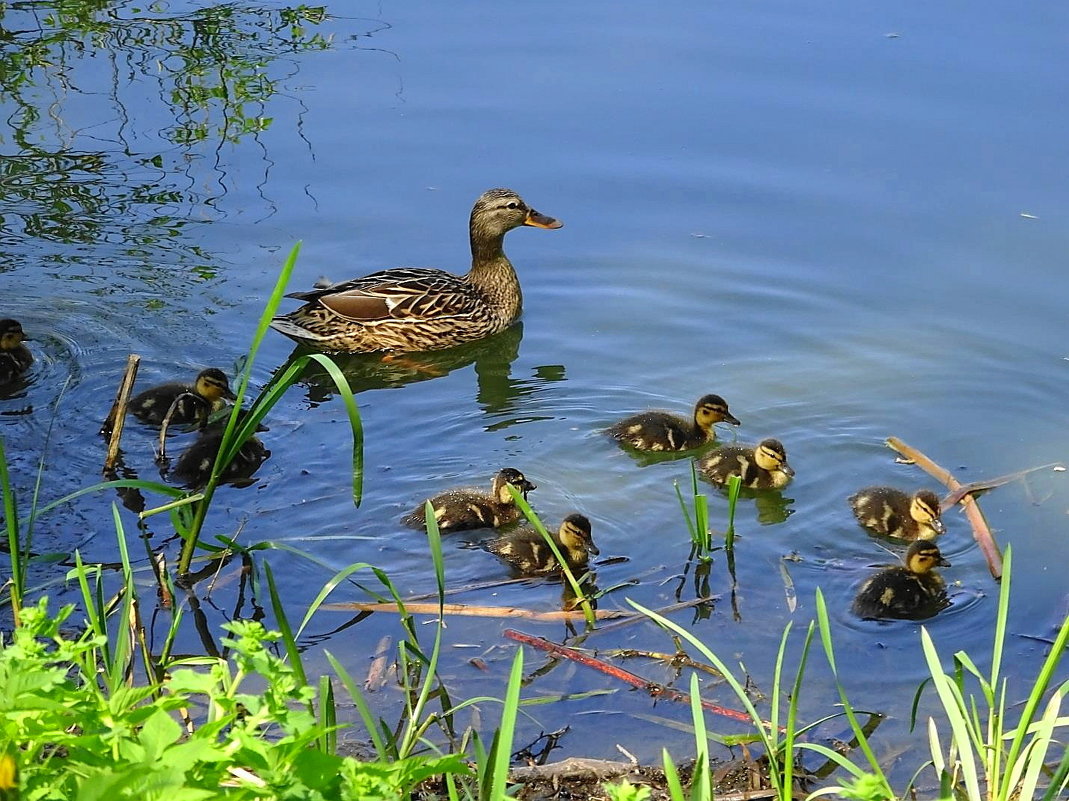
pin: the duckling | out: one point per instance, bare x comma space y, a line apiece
466, 508
409, 309
662, 431
15, 357
527, 552
194, 466
910, 591
893, 513
193, 402
762, 467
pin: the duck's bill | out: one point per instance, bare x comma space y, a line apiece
730, 418
536, 220
787, 469
943, 562
229, 395
937, 526
593, 549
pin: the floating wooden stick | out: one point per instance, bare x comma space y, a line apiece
474, 611
113, 425
980, 530
654, 689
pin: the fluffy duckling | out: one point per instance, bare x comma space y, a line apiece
526, 550
893, 513
408, 309
15, 357
761, 467
466, 508
194, 466
662, 431
911, 591
193, 402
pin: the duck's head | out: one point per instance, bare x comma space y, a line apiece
575, 534
922, 556
498, 211
771, 456
212, 384
712, 409
924, 508
510, 477
11, 334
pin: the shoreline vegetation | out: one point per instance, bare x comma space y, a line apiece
94, 710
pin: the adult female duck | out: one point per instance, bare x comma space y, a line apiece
410, 309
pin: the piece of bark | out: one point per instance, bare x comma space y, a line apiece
113, 425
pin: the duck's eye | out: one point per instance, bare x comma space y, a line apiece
513, 205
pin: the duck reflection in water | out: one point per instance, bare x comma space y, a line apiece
497, 391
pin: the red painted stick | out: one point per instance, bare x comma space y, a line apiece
654, 689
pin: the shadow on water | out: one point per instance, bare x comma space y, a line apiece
497, 390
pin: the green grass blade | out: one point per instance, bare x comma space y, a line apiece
355, 424
506, 731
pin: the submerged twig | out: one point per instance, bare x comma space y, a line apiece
955, 496
113, 425
981, 531
473, 611
652, 688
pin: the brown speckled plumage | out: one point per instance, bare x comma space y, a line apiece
911, 591
411, 309
192, 402
761, 467
893, 513
527, 552
664, 431
468, 508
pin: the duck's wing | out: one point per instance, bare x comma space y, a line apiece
405, 293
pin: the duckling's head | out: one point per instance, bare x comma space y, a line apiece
498, 211
924, 508
575, 534
922, 556
511, 477
213, 384
771, 456
11, 334
712, 409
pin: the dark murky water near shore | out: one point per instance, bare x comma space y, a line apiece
850, 222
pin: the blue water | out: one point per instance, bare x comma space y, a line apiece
850, 221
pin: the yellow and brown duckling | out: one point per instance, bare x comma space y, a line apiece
15, 357
467, 508
409, 309
192, 402
911, 591
663, 431
762, 467
893, 513
527, 552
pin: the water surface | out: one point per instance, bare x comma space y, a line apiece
848, 221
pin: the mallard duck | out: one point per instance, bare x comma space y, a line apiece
192, 402
465, 508
910, 591
527, 552
194, 466
418, 309
15, 357
761, 467
663, 431
893, 513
